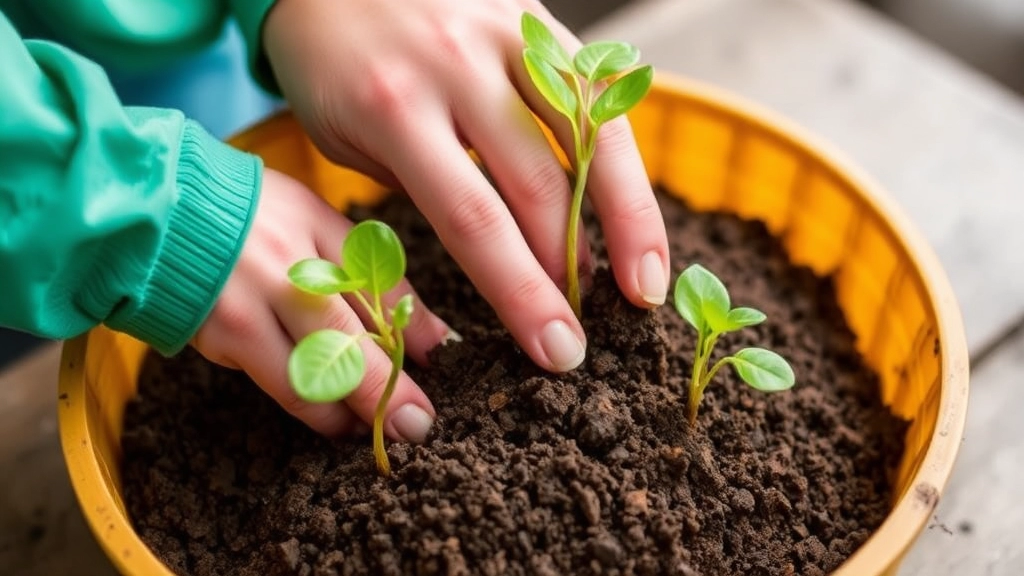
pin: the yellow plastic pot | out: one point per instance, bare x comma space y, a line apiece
719, 154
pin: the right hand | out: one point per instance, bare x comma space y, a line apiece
396, 89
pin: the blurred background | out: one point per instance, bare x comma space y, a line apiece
988, 35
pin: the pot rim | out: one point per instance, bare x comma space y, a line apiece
880, 554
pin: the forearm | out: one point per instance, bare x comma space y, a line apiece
129, 217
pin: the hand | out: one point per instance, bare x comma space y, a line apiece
260, 316
396, 88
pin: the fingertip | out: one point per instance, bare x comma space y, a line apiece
409, 414
412, 423
563, 346
652, 279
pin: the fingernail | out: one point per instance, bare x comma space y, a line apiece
451, 336
563, 348
412, 423
651, 278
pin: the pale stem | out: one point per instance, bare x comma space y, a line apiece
396, 350
698, 380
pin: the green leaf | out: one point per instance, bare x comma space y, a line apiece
402, 313
600, 60
551, 84
373, 253
701, 299
763, 370
622, 95
323, 277
326, 366
742, 317
540, 40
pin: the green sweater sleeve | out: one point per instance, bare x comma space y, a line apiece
128, 217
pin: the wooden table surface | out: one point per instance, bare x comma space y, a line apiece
946, 142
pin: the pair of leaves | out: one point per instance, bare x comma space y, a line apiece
702, 300
372, 259
549, 65
328, 365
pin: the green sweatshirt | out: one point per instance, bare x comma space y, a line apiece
129, 217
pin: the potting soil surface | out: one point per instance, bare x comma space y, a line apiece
525, 472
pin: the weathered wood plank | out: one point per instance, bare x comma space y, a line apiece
978, 523
946, 142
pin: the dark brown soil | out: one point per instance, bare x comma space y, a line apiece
594, 472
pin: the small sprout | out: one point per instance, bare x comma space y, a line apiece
327, 365
589, 89
702, 300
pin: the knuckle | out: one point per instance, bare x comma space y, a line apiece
523, 294
387, 91
339, 316
545, 185
458, 42
276, 248
638, 210
233, 318
454, 45
476, 218
615, 139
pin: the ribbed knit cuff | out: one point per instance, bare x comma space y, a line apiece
218, 189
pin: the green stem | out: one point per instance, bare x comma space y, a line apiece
582, 142
571, 242
396, 350
377, 316
698, 380
711, 373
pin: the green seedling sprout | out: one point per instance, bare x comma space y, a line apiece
589, 89
327, 365
702, 300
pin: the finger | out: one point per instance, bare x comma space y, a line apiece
425, 330
480, 233
409, 414
264, 357
558, 123
530, 177
634, 228
619, 190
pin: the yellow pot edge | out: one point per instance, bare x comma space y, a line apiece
882, 552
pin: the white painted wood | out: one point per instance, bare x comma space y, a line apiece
977, 528
946, 142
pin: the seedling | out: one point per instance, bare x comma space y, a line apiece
327, 365
589, 89
702, 300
